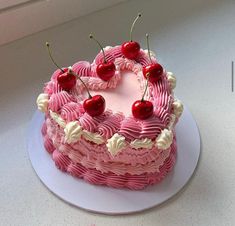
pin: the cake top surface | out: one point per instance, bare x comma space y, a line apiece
127, 85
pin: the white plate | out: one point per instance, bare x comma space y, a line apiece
107, 200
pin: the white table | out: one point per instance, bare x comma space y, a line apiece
195, 40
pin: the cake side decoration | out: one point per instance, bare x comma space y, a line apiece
94, 137
171, 79
57, 119
115, 144
42, 102
142, 143
178, 108
73, 132
165, 139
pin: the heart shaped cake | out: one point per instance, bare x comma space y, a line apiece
114, 147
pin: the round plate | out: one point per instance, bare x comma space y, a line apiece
107, 200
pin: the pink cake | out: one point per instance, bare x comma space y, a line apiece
113, 149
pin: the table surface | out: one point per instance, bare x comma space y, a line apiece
195, 40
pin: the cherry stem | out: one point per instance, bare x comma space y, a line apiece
133, 24
101, 47
49, 51
72, 72
146, 86
147, 37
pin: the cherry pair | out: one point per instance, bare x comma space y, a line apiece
94, 105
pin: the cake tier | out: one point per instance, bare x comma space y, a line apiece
93, 156
94, 176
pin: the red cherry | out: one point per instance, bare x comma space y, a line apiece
106, 70
142, 109
66, 80
154, 72
130, 49
94, 106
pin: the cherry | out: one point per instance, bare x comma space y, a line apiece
142, 109
65, 79
131, 49
154, 70
105, 70
94, 105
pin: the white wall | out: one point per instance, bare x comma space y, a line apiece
19, 18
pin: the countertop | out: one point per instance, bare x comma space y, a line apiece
195, 40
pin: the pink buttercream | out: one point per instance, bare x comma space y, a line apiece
52, 87
48, 144
135, 182
82, 68
89, 150
111, 54
71, 111
44, 129
130, 128
91, 123
62, 162
110, 125
58, 100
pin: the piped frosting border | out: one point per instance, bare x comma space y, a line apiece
50, 101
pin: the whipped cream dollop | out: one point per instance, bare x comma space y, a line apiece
142, 143
171, 79
94, 137
116, 143
178, 108
164, 140
73, 132
42, 102
172, 122
58, 119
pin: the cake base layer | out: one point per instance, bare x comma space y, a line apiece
93, 176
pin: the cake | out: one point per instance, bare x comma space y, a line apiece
117, 144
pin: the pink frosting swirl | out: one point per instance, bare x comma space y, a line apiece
58, 100
134, 182
130, 128
111, 54
71, 111
52, 87
61, 161
151, 127
48, 144
44, 129
110, 125
88, 123
82, 68
91, 123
